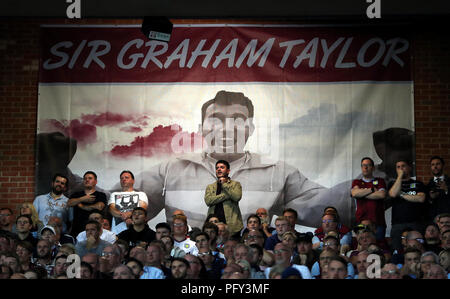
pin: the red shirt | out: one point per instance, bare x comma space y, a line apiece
372, 210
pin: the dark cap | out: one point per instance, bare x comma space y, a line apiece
305, 237
290, 271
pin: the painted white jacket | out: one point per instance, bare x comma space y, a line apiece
180, 183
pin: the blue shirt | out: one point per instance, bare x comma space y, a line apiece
271, 242
152, 273
47, 206
315, 270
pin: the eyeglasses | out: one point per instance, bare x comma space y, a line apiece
203, 254
178, 224
5, 215
420, 240
327, 221
330, 244
279, 251
253, 237
107, 254
23, 222
388, 272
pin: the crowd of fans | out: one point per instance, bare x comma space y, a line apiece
38, 246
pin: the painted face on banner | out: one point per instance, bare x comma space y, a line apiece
226, 128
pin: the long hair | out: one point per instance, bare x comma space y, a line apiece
34, 214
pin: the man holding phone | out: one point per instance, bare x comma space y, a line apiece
223, 196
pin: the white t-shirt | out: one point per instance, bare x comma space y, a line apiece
125, 202
187, 246
304, 271
107, 236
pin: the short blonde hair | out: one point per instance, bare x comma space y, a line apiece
289, 233
282, 218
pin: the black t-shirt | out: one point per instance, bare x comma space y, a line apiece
133, 237
441, 204
80, 216
404, 211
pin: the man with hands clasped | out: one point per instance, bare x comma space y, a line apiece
438, 188
407, 197
223, 196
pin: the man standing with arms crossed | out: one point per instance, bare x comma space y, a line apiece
370, 193
223, 196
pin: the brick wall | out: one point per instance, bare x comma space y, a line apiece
19, 62
431, 97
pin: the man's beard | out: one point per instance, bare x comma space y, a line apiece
46, 256
180, 276
432, 241
57, 192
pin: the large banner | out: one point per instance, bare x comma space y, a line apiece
293, 108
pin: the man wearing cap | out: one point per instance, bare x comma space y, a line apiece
407, 197
306, 254
51, 234
370, 193
291, 273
